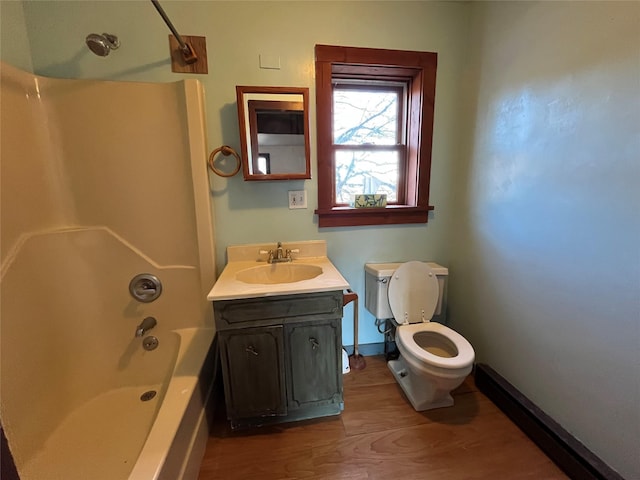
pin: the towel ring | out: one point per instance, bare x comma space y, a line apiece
226, 151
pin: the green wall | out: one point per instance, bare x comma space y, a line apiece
237, 33
547, 248
14, 42
535, 169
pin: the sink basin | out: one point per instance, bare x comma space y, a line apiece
248, 275
274, 273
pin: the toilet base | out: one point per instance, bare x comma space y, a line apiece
419, 390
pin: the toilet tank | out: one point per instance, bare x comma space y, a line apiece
376, 285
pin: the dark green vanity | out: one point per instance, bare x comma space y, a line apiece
281, 357
278, 314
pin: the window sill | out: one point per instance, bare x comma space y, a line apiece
390, 215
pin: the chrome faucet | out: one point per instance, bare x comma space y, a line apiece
147, 324
280, 254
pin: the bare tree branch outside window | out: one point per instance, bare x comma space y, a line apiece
365, 132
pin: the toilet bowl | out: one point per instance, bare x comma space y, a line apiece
434, 359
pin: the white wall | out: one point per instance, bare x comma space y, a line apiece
547, 258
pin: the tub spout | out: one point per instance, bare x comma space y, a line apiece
147, 324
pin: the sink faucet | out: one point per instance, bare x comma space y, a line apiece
147, 324
280, 255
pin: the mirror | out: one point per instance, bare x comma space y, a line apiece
274, 132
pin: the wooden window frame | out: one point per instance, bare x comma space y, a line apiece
377, 64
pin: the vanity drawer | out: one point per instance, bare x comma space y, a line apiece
251, 310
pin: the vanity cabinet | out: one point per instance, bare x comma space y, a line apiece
281, 357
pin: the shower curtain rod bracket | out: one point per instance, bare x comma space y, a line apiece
188, 54
179, 60
187, 51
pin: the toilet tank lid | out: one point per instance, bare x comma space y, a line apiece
382, 270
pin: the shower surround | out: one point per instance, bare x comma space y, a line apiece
102, 181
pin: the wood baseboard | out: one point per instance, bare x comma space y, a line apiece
564, 449
7, 466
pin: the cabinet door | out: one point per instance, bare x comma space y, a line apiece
253, 366
313, 363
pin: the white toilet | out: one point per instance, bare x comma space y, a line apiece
433, 358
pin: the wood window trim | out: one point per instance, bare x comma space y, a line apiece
421, 66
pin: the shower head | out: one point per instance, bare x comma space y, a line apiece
101, 45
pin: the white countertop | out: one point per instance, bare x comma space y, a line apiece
242, 257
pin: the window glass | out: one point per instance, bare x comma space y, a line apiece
364, 116
367, 117
368, 171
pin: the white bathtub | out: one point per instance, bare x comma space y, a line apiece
73, 371
115, 435
84, 210
175, 444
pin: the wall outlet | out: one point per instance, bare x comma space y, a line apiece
297, 199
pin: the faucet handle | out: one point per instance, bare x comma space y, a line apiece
267, 252
290, 251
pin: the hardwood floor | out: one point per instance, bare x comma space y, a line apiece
380, 436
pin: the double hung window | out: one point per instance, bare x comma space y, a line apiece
375, 126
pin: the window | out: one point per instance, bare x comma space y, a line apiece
368, 139
375, 127
264, 163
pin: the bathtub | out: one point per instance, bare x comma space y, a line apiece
84, 211
81, 398
175, 444
117, 435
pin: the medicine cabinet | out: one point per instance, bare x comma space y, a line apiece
274, 132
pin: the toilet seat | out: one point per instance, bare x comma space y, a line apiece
413, 293
406, 341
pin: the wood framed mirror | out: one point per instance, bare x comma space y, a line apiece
274, 132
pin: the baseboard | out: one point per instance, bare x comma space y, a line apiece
8, 469
367, 349
564, 449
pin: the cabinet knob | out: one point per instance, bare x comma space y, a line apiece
314, 343
251, 349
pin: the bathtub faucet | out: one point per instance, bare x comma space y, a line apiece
147, 324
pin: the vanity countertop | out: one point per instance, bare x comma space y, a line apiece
243, 257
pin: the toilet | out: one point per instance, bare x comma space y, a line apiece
433, 359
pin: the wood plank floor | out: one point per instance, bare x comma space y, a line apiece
380, 436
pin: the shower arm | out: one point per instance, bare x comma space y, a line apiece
188, 54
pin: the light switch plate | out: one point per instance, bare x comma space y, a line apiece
297, 199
